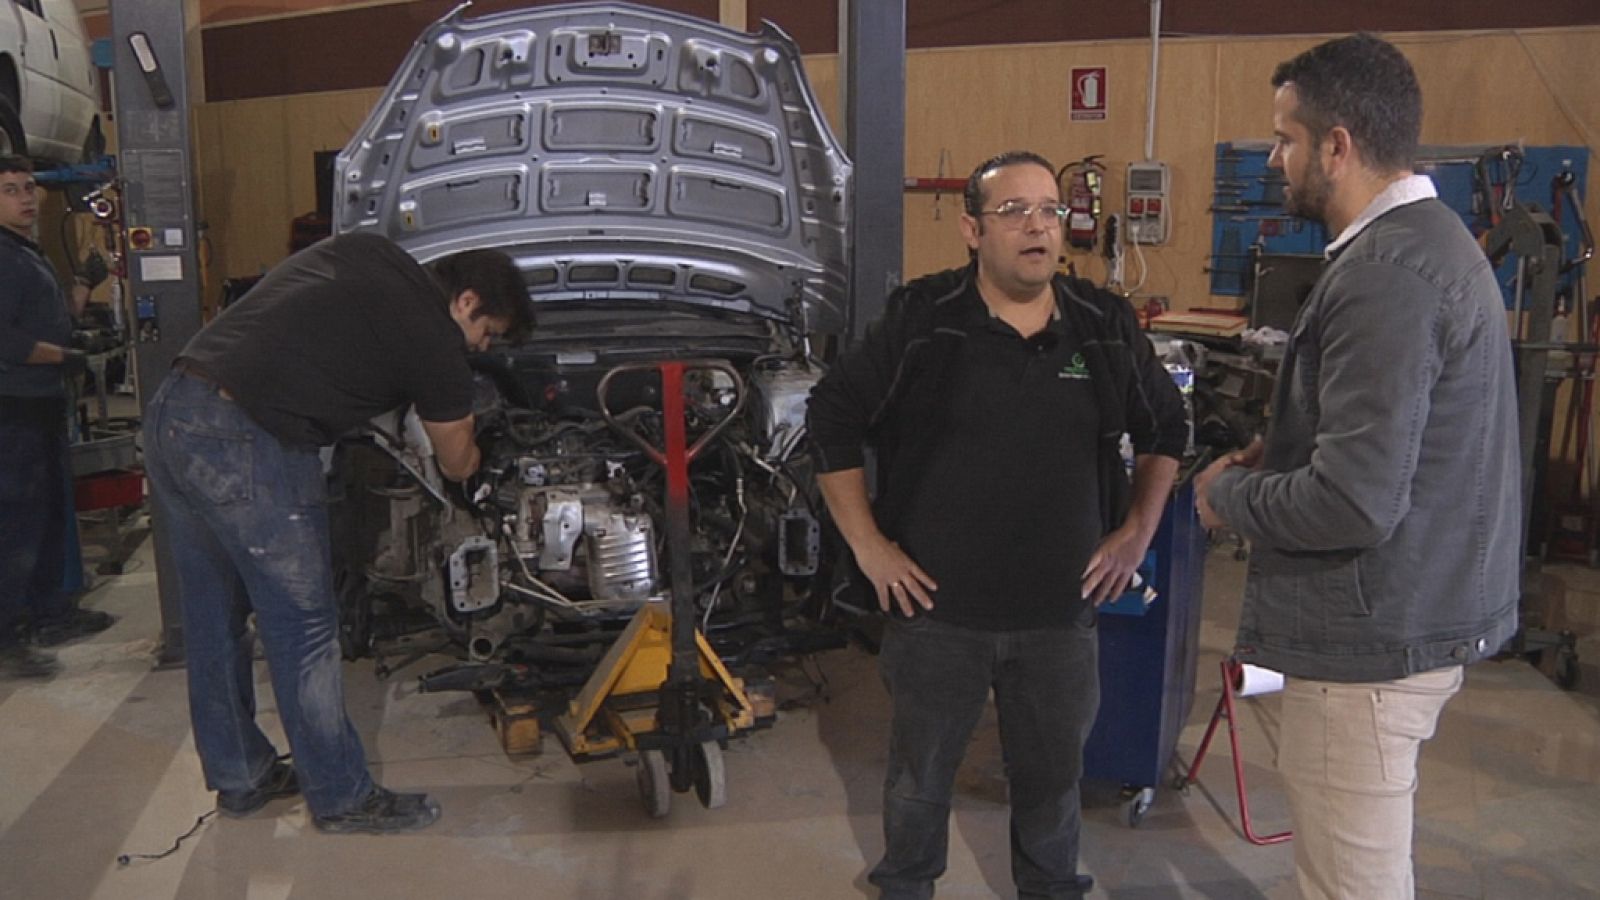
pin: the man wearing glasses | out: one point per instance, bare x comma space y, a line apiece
995, 397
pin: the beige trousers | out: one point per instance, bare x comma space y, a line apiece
1348, 756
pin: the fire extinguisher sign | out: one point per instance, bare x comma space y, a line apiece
1089, 94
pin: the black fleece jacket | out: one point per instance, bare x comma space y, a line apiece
888, 390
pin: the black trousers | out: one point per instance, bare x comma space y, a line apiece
33, 512
1047, 690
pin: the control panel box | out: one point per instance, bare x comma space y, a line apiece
1149, 202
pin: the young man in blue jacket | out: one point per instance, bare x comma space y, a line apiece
35, 353
1383, 509
995, 397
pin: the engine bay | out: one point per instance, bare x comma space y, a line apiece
528, 571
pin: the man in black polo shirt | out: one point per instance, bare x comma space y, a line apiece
996, 397
343, 331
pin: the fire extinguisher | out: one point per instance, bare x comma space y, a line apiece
1080, 184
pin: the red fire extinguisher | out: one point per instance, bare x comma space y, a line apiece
1080, 184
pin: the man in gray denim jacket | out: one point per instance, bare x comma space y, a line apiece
1383, 508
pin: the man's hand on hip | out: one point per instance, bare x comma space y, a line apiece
1113, 564
896, 577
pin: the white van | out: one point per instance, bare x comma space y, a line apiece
49, 90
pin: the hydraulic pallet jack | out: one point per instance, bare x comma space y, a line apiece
661, 691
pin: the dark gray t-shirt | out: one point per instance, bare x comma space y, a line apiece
342, 331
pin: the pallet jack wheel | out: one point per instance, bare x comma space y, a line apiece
710, 775
655, 785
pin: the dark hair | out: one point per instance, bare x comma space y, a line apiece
9, 164
498, 283
1364, 84
973, 196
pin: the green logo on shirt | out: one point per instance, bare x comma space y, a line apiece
1077, 369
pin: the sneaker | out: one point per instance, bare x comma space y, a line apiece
23, 661
280, 782
382, 812
76, 624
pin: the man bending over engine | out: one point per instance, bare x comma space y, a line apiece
341, 332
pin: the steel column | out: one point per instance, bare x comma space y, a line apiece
153, 161
872, 52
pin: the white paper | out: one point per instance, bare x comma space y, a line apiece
172, 237
1255, 680
161, 268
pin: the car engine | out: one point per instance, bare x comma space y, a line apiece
560, 537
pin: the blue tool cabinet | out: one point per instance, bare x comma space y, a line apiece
1147, 663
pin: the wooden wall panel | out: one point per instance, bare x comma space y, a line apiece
966, 104
822, 70
321, 127
351, 47
217, 11
970, 103
1196, 16
242, 162
255, 173
1565, 63
278, 36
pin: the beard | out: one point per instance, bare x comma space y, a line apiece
1309, 199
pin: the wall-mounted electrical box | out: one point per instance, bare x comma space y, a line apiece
1149, 202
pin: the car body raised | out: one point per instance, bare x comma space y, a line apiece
670, 190
49, 89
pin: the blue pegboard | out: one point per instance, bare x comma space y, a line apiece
1539, 167
1247, 205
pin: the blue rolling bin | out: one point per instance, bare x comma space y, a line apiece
1147, 662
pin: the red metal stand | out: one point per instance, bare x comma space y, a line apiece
107, 490
1231, 672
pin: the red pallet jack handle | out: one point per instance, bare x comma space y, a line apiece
675, 456
681, 716
1231, 672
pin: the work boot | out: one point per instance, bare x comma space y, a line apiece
23, 661
280, 782
75, 624
383, 812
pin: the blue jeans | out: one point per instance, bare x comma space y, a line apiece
33, 512
1046, 689
247, 523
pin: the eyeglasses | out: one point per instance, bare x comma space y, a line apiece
1013, 214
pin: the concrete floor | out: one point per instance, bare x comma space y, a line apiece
99, 762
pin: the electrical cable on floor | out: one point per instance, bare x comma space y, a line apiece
127, 858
